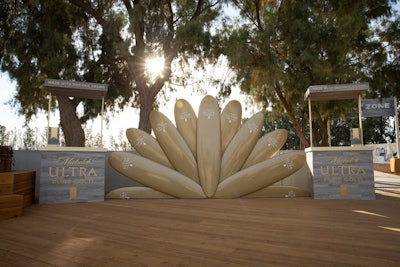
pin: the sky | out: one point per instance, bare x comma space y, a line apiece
8, 117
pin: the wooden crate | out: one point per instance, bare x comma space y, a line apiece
19, 182
6, 158
395, 165
10, 206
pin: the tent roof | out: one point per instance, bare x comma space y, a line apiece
335, 91
78, 89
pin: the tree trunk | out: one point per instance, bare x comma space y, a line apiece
316, 134
70, 124
292, 118
323, 129
147, 100
303, 126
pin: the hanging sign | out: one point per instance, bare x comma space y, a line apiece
377, 107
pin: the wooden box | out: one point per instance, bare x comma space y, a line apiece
6, 158
19, 182
395, 165
10, 206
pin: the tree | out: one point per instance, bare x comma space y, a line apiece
4, 135
121, 144
285, 46
378, 130
29, 139
100, 41
272, 124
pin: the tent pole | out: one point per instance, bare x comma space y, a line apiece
328, 129
48, 118
101, 130
310, 121
396, 125
360, 119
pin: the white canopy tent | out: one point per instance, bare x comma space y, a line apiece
78, 89
335, 92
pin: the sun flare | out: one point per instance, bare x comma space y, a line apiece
155, 66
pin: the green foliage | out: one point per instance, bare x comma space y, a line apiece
340, 132
101, 41
29, 142
283, 47
378, 130
375, 131
92, 140
119, 142
272, 124
36, 41
4, 136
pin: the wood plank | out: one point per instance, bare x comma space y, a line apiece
6, 189
16, 177
7, 213
206, 232
10, 206
18, 188
28, 200
21, 183
7, 201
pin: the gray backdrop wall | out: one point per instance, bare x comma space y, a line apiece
29, 160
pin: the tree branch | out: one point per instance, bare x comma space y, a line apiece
88, 9
200, 8
292, 118
259, 26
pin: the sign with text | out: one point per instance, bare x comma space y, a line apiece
378, 107
75, 88
70, 177
342, 174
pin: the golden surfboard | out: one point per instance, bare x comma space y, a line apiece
147, 146
231, 118
209, 144
186, 122
260, 175
174, 146
241, 146
160, 178
267, 147
135, 192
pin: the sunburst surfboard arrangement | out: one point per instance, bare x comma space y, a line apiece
211, 155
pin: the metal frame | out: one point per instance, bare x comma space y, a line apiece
77, 89
335, 92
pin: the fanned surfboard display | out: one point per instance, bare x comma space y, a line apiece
211, 155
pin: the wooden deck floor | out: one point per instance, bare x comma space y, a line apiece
224, 232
